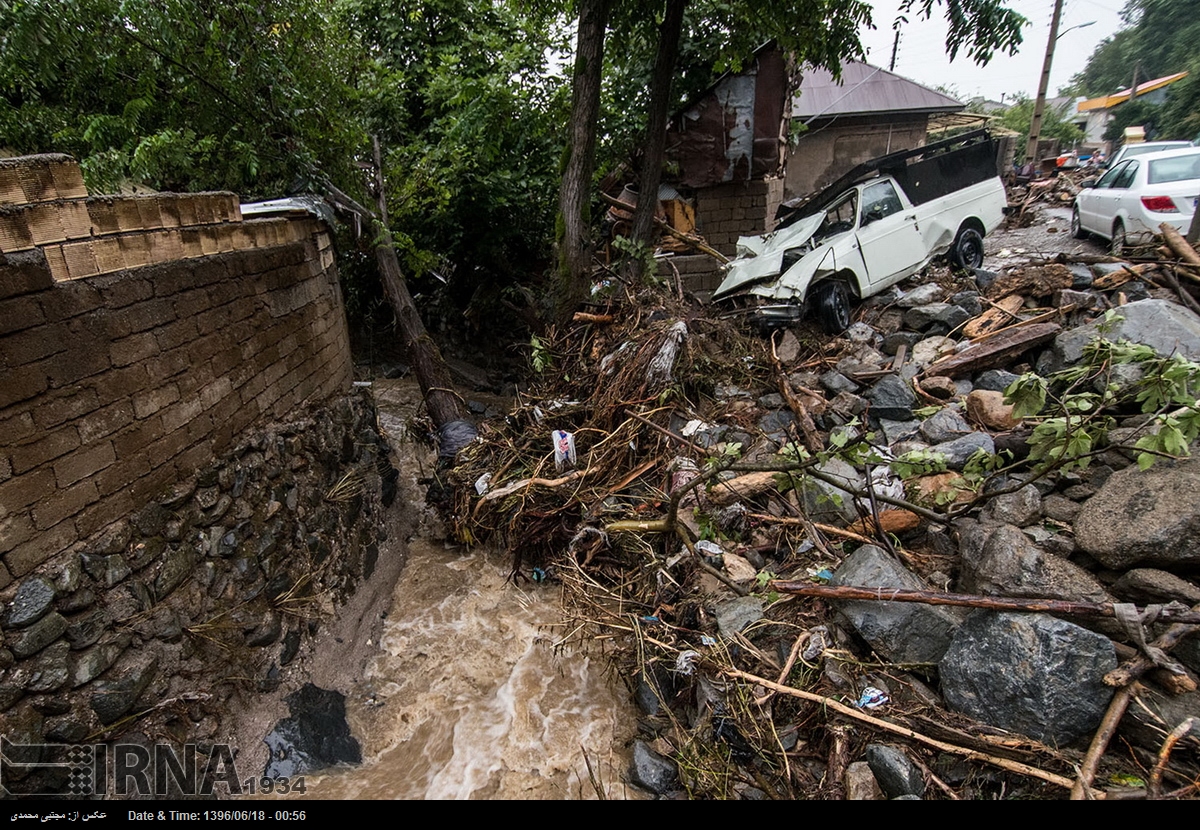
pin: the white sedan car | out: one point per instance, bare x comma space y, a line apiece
1135, 196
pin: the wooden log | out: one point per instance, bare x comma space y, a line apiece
1049, 606
743, 487
1179, 245
1002, 312
998, 350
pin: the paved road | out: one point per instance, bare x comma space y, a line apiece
1049, 234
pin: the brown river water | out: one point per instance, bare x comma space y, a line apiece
470, 694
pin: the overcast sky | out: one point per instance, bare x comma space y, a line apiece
922, 53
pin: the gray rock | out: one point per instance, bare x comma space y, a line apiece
1060, 508
177, 564
654, 688
651, 771
835, 383
825, 502
895, 772
995, 380
1167, 327
944, 425
892, 398
45, 673
847, 404
894, 431
960, 450
95, 661
114, 698
735, 614
1009, 564
776, 421
906, 632
85, 629
1031, 673
1024, 507
930, 292
1149, 585
969, 302
107, 570
860, 783
772, 400
859, 333
314, 736
36, 637
953, 316
893, 342
922, 317
1081, 274
1150, 517
929, 349
34, 599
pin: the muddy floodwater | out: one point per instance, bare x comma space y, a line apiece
468, 698
469, 693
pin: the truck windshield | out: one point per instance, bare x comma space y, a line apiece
839, 218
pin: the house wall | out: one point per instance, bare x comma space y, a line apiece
185, 472
118, 385
728, 211
828, 150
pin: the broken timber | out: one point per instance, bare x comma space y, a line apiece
1053, 606
998, 349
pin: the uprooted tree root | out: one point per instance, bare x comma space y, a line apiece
773, 711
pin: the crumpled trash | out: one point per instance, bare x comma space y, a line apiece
685, 662
453, 436
818, 641
564, 449
872, 698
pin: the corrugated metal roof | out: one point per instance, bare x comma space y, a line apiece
865, 89
1106, 101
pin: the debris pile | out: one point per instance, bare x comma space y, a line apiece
930, 558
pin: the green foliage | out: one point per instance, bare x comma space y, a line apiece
178, 95
539, 358
1084, 400
918, 463
1019, 117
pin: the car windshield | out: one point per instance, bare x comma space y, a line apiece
1177, 169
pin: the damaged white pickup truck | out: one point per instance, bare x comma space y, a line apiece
877, 225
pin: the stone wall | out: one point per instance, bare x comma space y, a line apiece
170, 490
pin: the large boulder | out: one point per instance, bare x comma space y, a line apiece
906, 632
1149, 517
1167, 327
1005, 562
1031, 673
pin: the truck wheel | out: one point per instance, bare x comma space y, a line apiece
1077, 230
833, 306
967, 250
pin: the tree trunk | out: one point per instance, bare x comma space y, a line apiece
656, 128
575, 251
434, 378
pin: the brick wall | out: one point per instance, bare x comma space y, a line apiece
728, 211
139, 337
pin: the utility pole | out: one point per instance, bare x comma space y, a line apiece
1039, 108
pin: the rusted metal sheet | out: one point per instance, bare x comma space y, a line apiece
734, 131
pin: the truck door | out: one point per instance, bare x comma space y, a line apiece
888, 236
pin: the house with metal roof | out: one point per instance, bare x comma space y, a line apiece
1099, 111
868, 113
